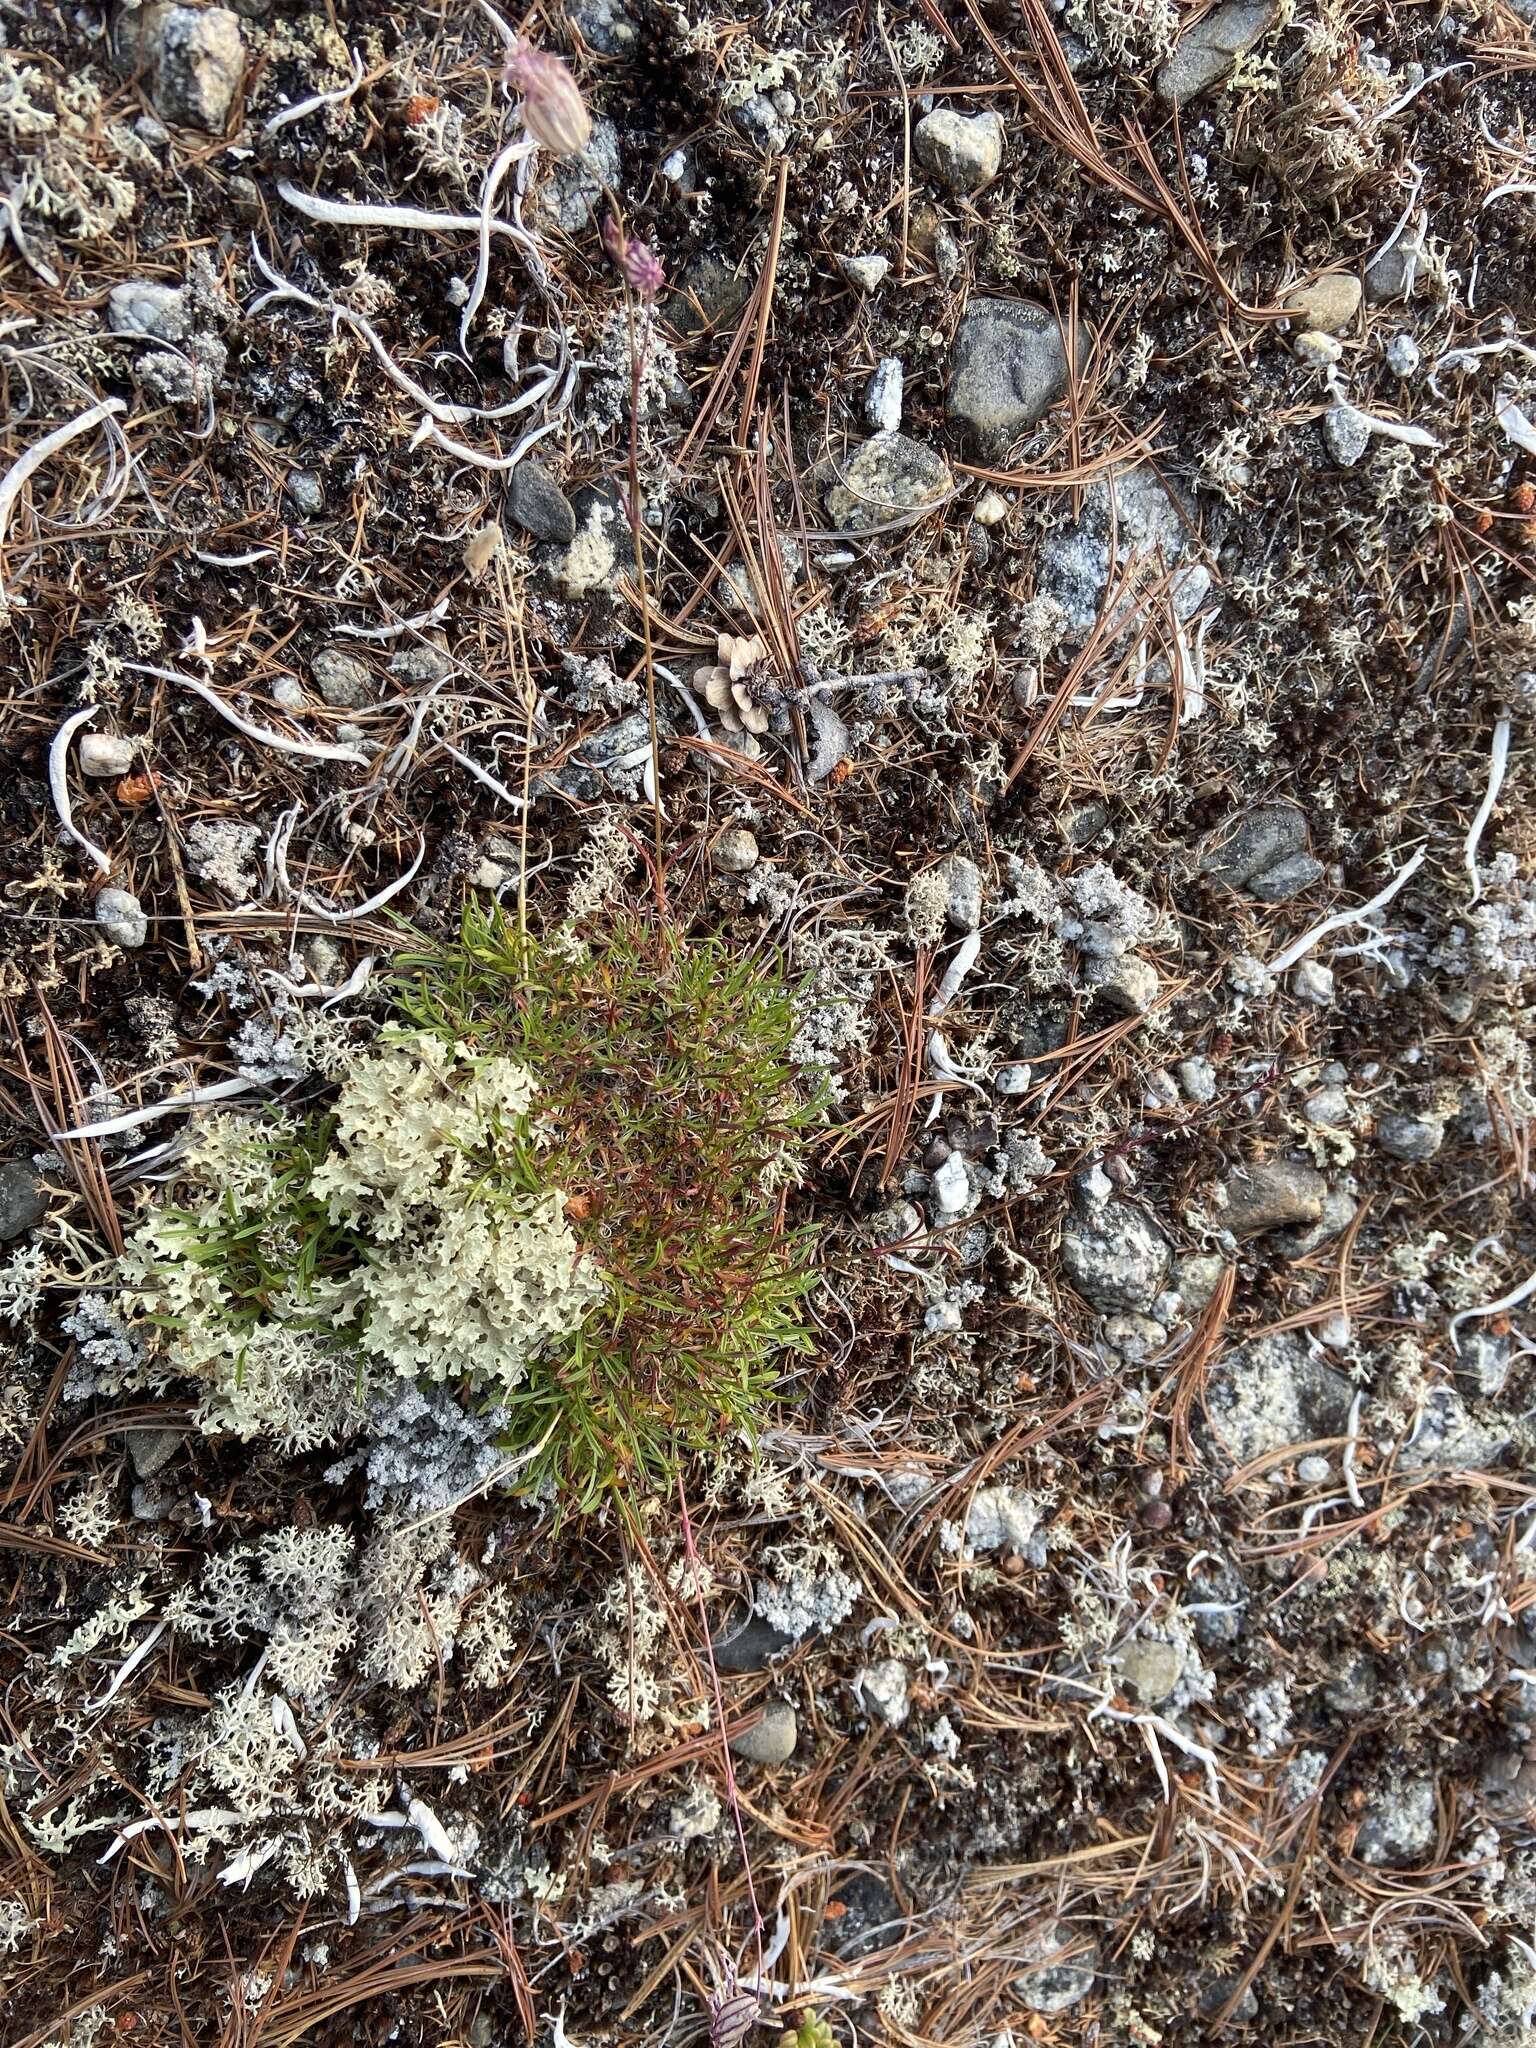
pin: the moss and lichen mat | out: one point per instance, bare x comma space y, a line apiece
558, 1183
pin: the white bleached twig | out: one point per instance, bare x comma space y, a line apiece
354, 213
1498, 761
429, 430
126, 1669
1485, 1309
385, 895
1516, 424
58, 784
33, 459
1389, 430
130, 1120
440, 409
484, 775
1351, 1445
317, 100
28, 464
966, 955
233, 561
314, 750
394, 630
432, 1832
354, 984
1341, 919
493, 180
245, 1863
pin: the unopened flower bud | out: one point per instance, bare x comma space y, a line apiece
554, 112
637, 262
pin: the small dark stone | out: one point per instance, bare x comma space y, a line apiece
536, 503
749, 1643
1270, 1195
23, 1203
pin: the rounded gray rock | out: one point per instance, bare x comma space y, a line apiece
1054, 1986
141, 307
962, 880
306, 493
773, 1739
105, 753
1008, 367
963, 151
195, 58
735, 851
1412, 1139
1114, 1257
344, 681
1270, 1195
122, 918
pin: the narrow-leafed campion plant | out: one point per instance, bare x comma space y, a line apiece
558, 1183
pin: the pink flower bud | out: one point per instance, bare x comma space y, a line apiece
637, 263
554, 112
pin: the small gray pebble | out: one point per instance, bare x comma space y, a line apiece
122, 918
306, 493
773, 1740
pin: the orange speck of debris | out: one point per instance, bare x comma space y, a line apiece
138, 789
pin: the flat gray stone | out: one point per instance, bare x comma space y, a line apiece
1150, 1668
1272, 1393
1253, 842
1132, 515
963, 891
1339, 1211
1208, 52
344, 681
305, 492
122, 918
1270, 1196
141, 307
152, 1449
887, 477
1287, 878
1055, 1986
1412, 1139
1389, 276
1400, 1825
1447, 1439
750, 1644
577, 183
1125, 981
1008, 367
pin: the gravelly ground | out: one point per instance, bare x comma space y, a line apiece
1136, 1582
